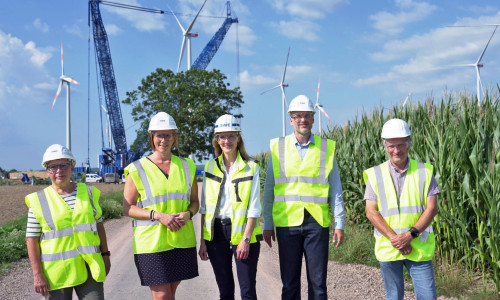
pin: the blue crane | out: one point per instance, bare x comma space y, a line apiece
114, 161
213, 45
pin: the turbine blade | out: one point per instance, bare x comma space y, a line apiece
283, 95
194, 20
69, 79
57, 95
178, 22
286, 63
324, 112
182, 53
317, 92
62, 60
270, 89
484, 50
407, 98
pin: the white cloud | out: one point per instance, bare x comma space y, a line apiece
298, 29
430, 61
248, 81
112, 29
74, 30
308, 9
42, 26
23, 76
409, 11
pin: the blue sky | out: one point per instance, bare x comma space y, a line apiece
366, 53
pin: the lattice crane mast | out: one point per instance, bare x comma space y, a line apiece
213, 45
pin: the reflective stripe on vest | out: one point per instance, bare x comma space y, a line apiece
166, 195
321, 179
69, 237
150, 200
384, 211
215, 180
403, 211
47, 215
301, 183
70, 254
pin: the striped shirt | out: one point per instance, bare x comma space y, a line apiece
34, 229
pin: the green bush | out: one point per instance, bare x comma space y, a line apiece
112, 206
13, 241
357, 247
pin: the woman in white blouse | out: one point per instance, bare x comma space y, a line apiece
230, 208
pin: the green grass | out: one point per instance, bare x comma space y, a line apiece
357, 247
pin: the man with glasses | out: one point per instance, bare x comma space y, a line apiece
401, 202
302, 188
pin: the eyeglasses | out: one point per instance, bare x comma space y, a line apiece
392, 147
226, 137
62, 167
306, 116
164, 136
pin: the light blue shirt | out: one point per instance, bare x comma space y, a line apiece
334, 196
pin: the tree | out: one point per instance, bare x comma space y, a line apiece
195, 99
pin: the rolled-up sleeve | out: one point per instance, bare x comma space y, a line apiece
268, 198
335, 196
254, 207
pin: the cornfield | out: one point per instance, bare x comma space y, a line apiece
462, 140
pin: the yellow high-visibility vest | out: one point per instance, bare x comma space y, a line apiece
300, 184
170, 196
412, 203
69, 237
241, 189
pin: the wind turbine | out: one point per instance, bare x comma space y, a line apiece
478, 65
320, 109
283, 97
186, 35
68, 80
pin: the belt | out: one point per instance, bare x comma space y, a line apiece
226, 221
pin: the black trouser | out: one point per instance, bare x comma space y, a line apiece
220, 255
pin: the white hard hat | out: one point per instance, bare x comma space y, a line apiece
300, 103
57, 151
227, 123
162, 121
395, 128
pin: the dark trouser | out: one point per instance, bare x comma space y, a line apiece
89, 290
220, 255
311, 240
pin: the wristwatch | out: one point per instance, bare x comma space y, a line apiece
414, 232
247, 240
107, 253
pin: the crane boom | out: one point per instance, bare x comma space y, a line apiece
108, 81
213, 45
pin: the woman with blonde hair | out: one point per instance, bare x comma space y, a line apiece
230, 207
161, 195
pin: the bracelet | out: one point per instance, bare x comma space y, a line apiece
152, 215
190, 214
107, 253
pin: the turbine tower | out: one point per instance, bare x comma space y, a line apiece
283, 97
320, 110
68, 80
187, 35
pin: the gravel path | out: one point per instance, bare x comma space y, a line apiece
347, 281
